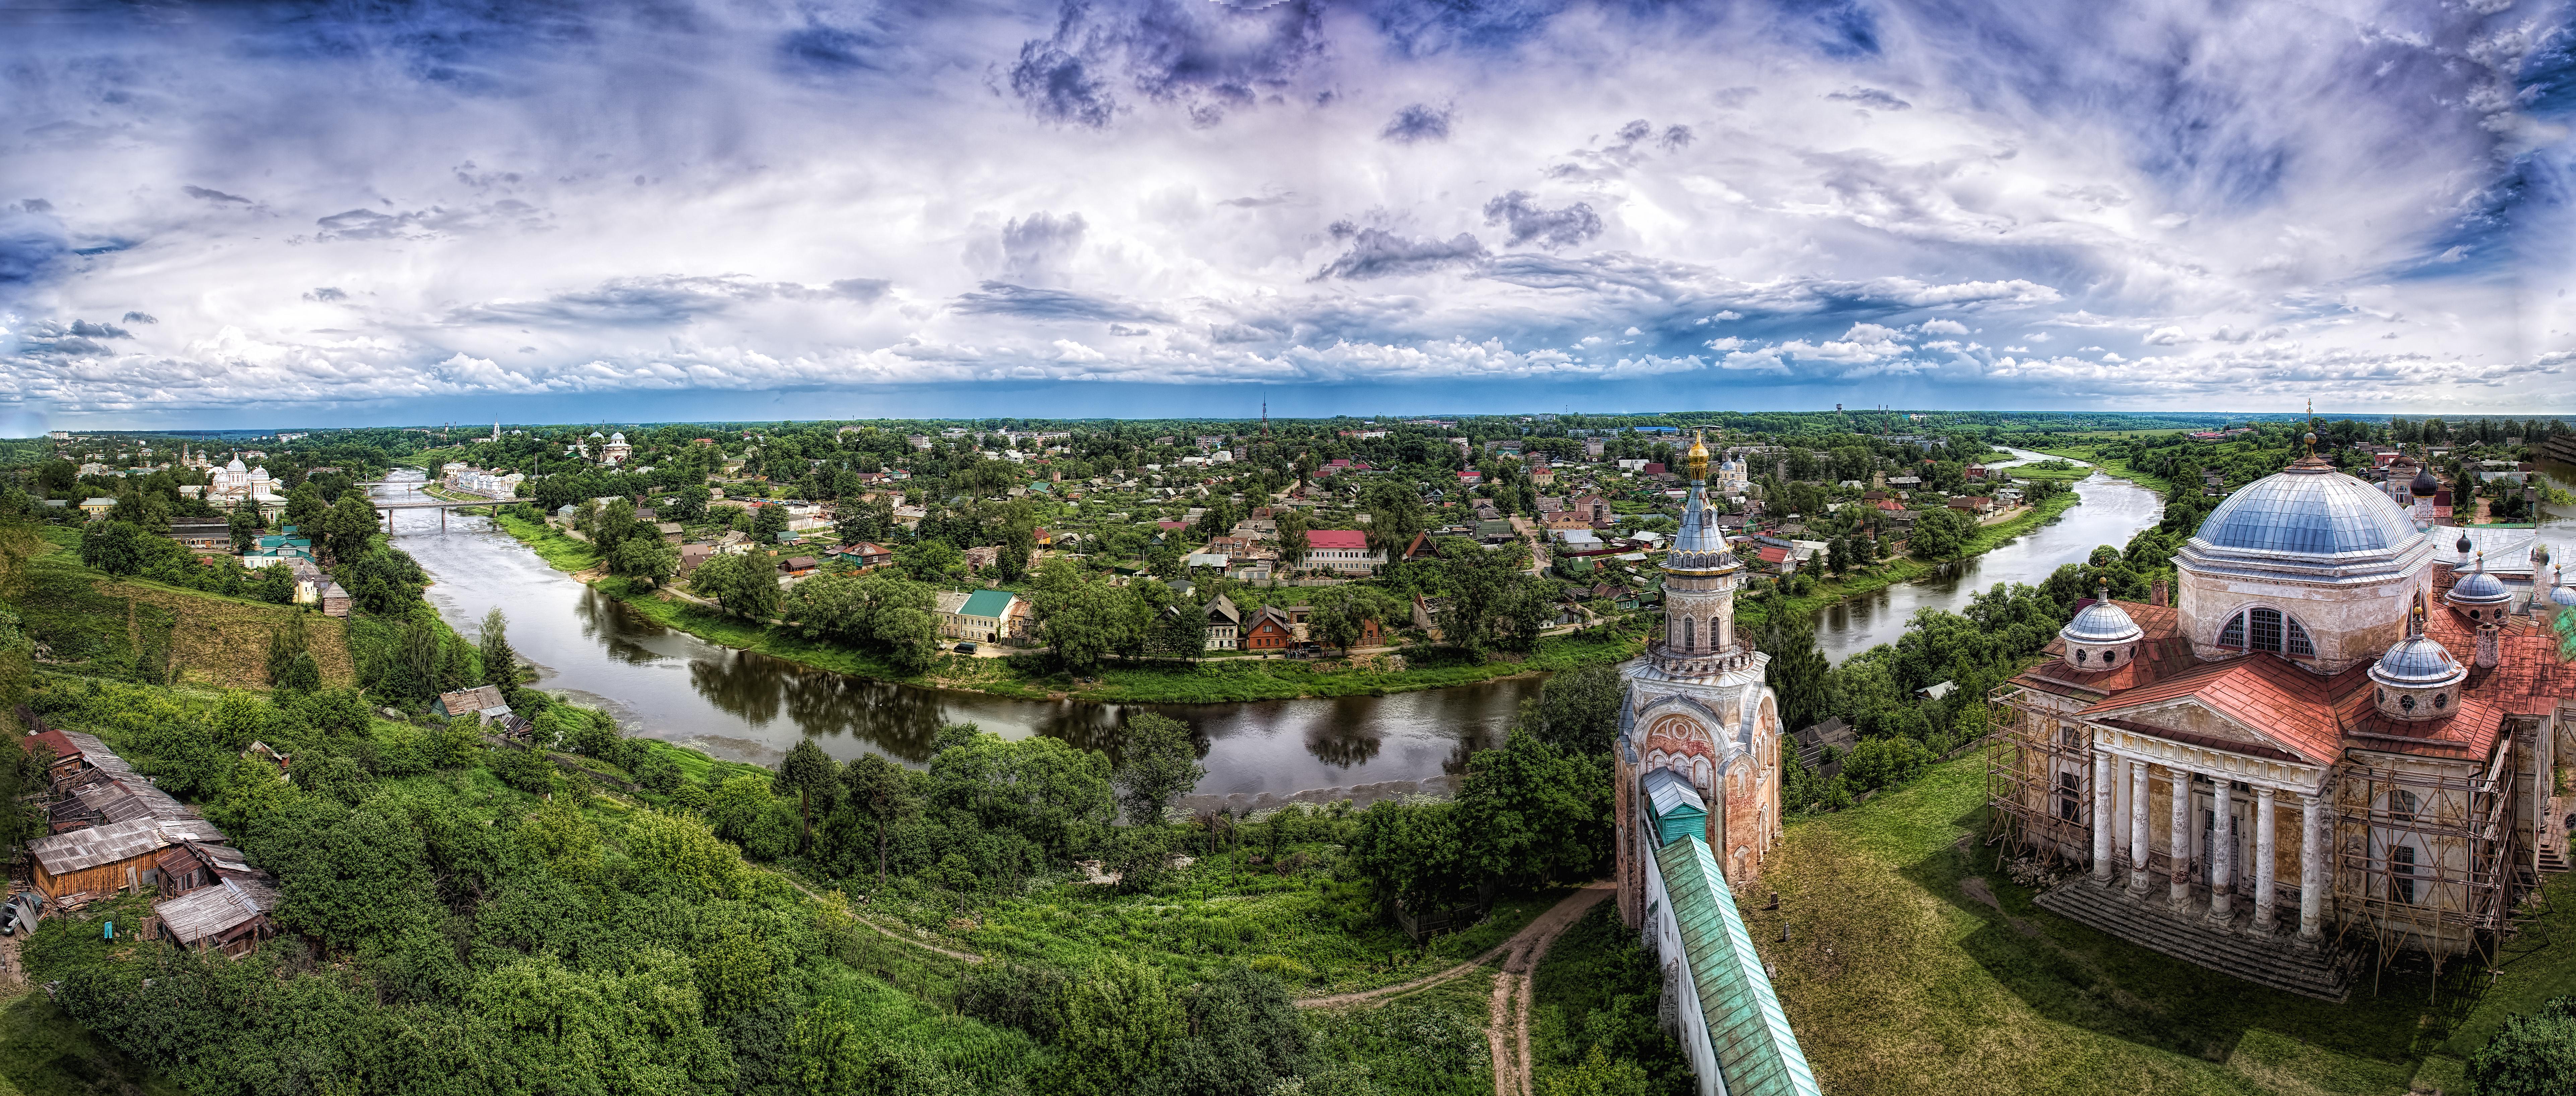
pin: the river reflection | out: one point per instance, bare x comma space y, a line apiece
2113, 511
744, 706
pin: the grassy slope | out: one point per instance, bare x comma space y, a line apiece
1209, 682
219, 641
43, 1053
1412, 1043
1898, 981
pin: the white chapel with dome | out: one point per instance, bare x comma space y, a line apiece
2334, 744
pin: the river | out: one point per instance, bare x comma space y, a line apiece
744, 706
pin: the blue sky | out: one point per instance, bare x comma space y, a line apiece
320, 213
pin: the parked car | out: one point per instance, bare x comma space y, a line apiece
965, 648
22, 911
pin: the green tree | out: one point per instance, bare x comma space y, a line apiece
2534, 1055
768, 523
290, 656
882, 793
246, 527
274, 584
1157, 763
1120, 1022
113, 546
1577, 711
500, 661
1941, 534
1412, 853
1540, 815
810, 774
347, 529
1292, 535
644, 558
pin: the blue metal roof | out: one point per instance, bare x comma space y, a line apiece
1757, 1054
2102, 622
2416, 660
2309, 511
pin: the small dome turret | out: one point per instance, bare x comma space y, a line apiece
2559, 593
2425, 485
2463, 545
2479, 594
2416, 679
2102, 636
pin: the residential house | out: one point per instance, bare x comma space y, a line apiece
691, 555
1269, 629
96, 508
1974, 505
1224, 625
977, 616
1345, 551
202, 535
797, 566
865, 555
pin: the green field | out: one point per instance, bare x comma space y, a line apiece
1898, 980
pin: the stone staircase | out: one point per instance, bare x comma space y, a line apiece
2277, 962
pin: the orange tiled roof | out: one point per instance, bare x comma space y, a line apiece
2320, 716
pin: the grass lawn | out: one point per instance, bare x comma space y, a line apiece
1318, 935
2111, 465
44, 1053
1427, 1043
1898, 981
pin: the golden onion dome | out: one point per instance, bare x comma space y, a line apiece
1697, 459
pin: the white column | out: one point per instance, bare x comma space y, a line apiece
2222, 849
2181, 838
2101, 817
2138, 827
2313, 838
2264, 852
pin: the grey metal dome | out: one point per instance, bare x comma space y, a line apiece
2464, 543
2560, 594
2101, 622
2480, 588
2416, 661
2308, 511
2425, 485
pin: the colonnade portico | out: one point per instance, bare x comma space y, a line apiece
2126, 761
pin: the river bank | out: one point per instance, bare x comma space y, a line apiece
1753, 612
1216, 681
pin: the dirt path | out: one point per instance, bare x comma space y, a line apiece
1508, 1023
1546, 927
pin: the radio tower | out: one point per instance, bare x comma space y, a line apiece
1265, 418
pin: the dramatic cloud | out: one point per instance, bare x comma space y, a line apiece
359, 212
1417, 122
1550, 228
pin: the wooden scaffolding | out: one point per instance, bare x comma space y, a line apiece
2039, 779
2424, 858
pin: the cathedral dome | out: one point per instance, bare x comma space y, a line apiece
235, 466
2425, 485
2559, 593
2308, 510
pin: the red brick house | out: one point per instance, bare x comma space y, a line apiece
1269, 630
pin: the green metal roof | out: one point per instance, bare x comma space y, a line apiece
986, 603
1676, 806
1756, 1052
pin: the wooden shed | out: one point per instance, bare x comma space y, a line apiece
231, 916
98, 861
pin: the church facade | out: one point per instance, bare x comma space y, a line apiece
2340, 739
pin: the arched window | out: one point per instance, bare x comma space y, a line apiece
2263, 629
2401, 805
1690, 642
2079, 656
1699, 771
2401, 873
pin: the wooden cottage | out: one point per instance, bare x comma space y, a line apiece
482, 700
